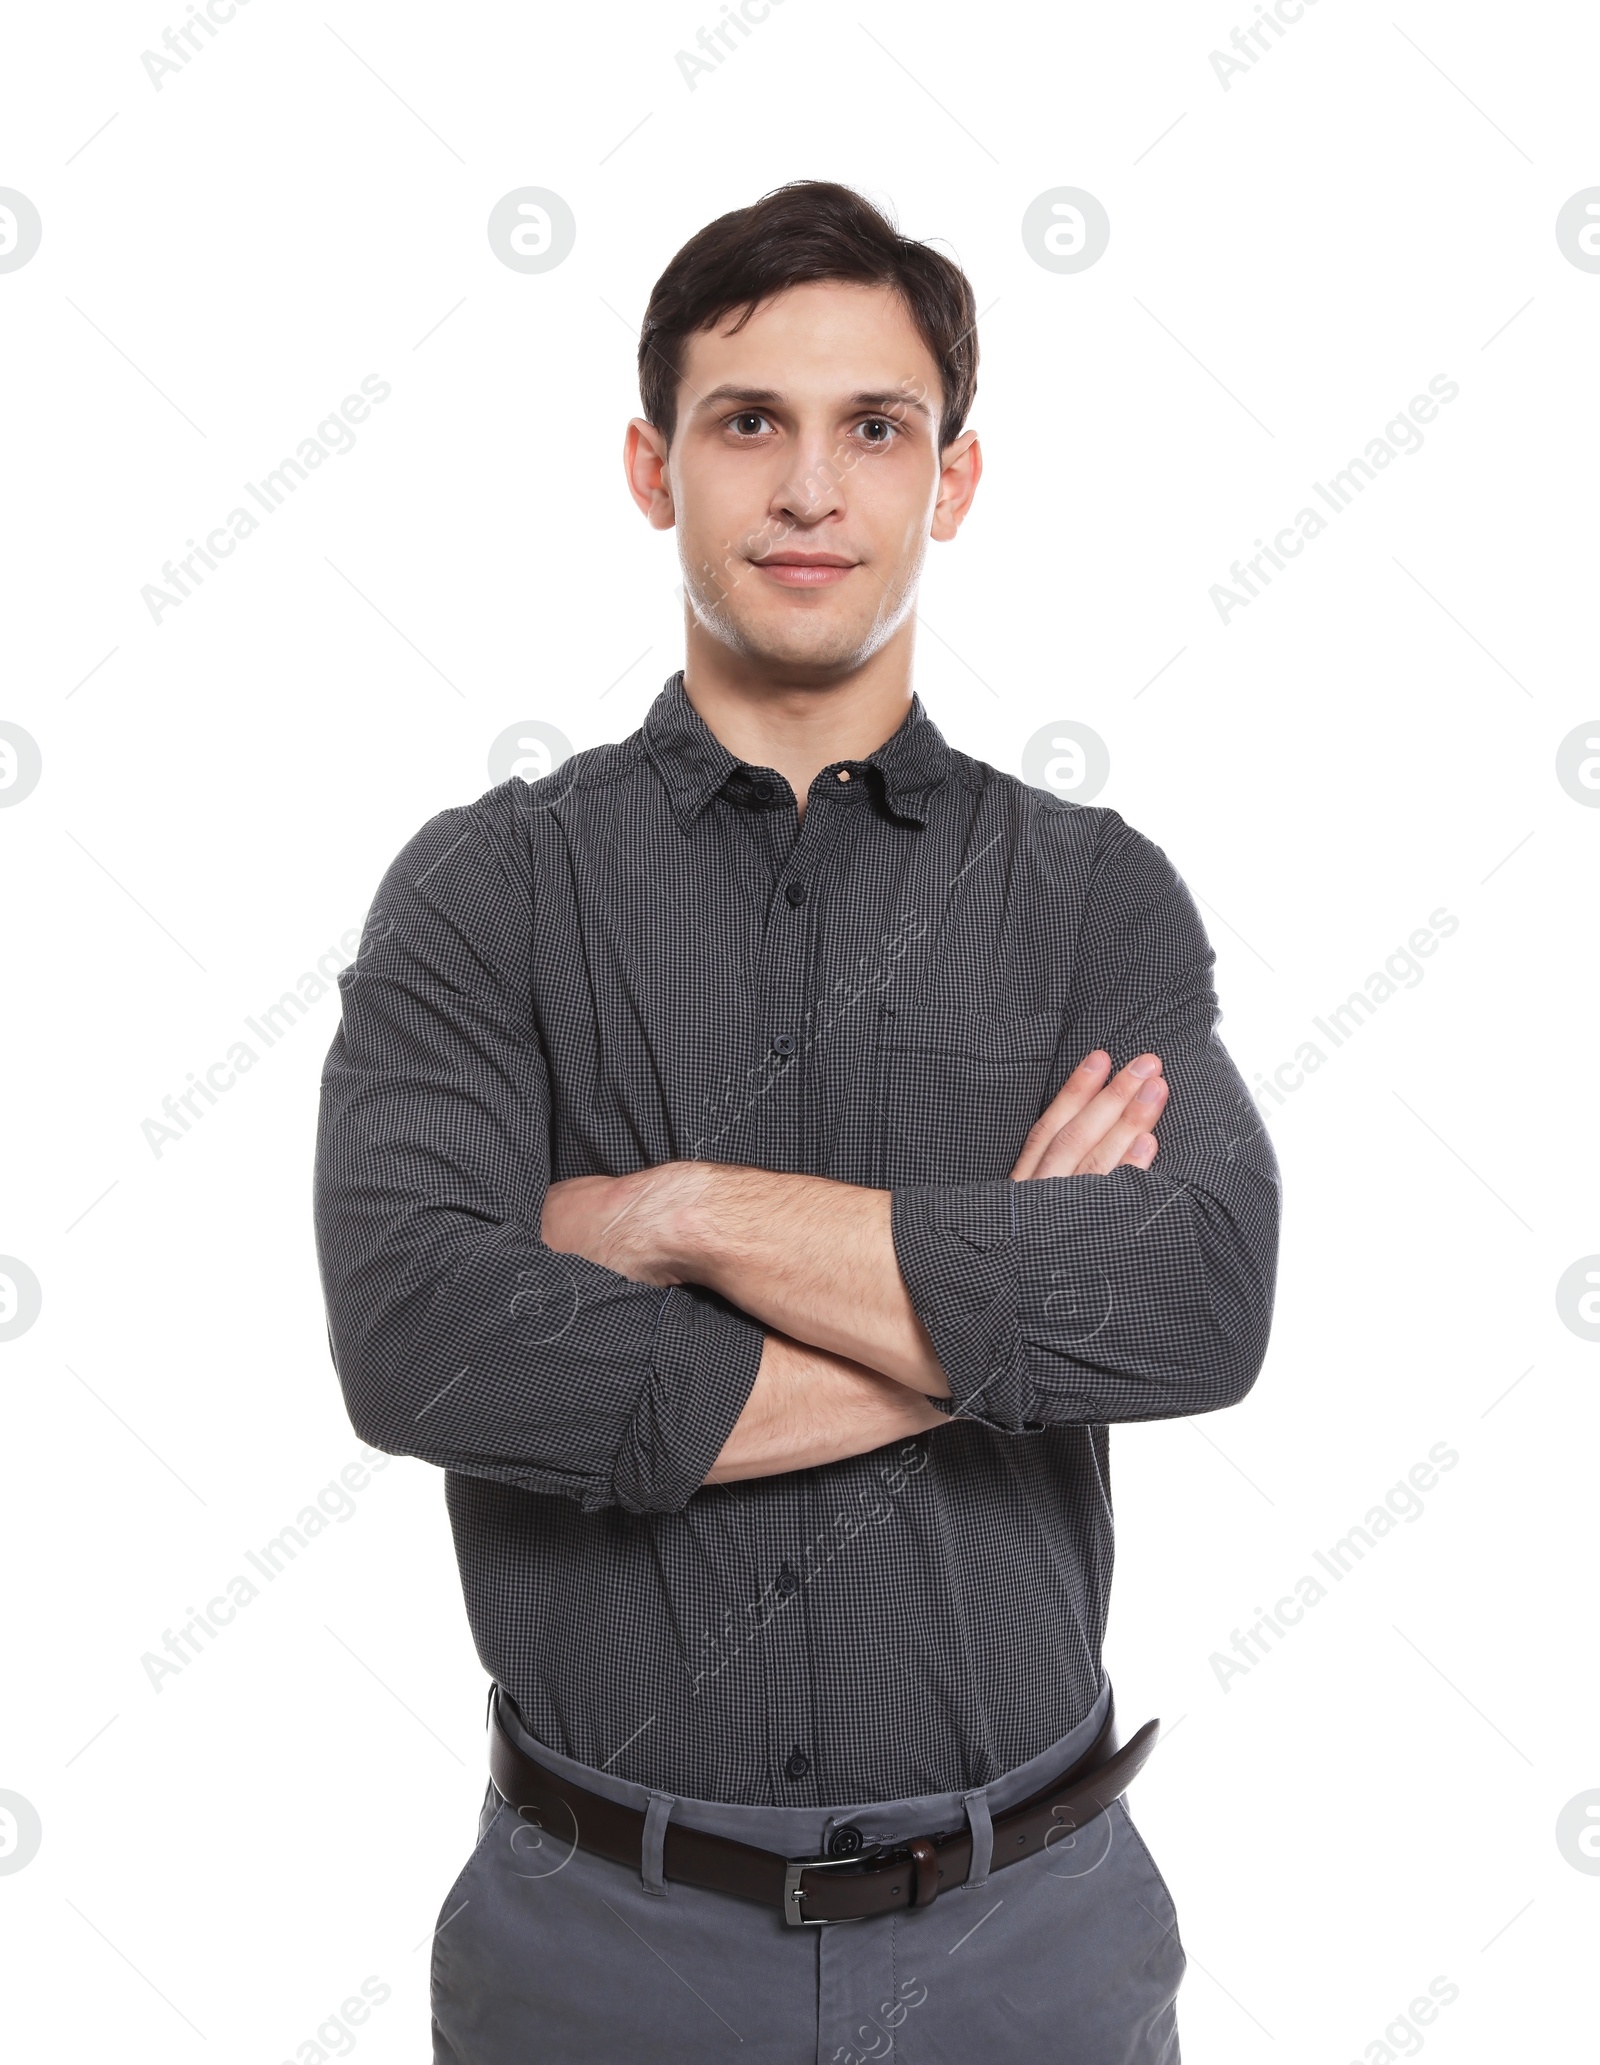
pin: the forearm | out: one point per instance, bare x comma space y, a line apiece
808, 1256
810, 1407
1125, 1296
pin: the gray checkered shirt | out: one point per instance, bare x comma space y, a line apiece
642, 958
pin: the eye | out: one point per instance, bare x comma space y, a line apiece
748, 423
879, 430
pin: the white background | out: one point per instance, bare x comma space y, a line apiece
1292, 258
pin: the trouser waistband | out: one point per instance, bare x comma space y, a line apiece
808, 1831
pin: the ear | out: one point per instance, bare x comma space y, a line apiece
960, 469
644, 462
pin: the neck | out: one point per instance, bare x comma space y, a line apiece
797, 719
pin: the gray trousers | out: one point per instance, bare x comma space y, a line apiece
547, 1952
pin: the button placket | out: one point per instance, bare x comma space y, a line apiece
789, 953
788, 949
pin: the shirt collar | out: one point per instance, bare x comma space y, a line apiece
694, 764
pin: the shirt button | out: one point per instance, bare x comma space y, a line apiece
845, 1842
797, 1765
788, 1580
783, 1043
762, 791
796, 892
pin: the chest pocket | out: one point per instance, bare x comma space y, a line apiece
960, 1093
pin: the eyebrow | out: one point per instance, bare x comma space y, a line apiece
890, 398
883, 399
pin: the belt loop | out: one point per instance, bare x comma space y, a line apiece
977, 1806
652, 1844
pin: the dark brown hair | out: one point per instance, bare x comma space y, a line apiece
810, 229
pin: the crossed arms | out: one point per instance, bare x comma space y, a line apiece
848, 1365
761, 1322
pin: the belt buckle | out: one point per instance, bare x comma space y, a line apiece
794, 1892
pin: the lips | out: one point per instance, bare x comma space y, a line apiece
804, 569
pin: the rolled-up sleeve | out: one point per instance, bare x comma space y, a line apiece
1137, 1294
457, 1335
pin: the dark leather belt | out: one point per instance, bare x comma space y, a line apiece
877, 1879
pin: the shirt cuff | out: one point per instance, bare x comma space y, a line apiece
956, 1245
703, 1368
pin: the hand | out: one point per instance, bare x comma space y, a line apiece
624, 1223
1091, 1125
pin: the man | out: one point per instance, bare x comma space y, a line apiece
737, 1171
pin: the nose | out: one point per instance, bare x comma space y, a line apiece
813, 488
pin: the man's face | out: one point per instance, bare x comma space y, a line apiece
805, 478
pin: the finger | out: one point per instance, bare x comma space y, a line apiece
1103, 1132
1072, 1124
1136, 1121
1093, 1119
1075, 1093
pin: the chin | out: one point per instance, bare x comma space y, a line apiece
827, 648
